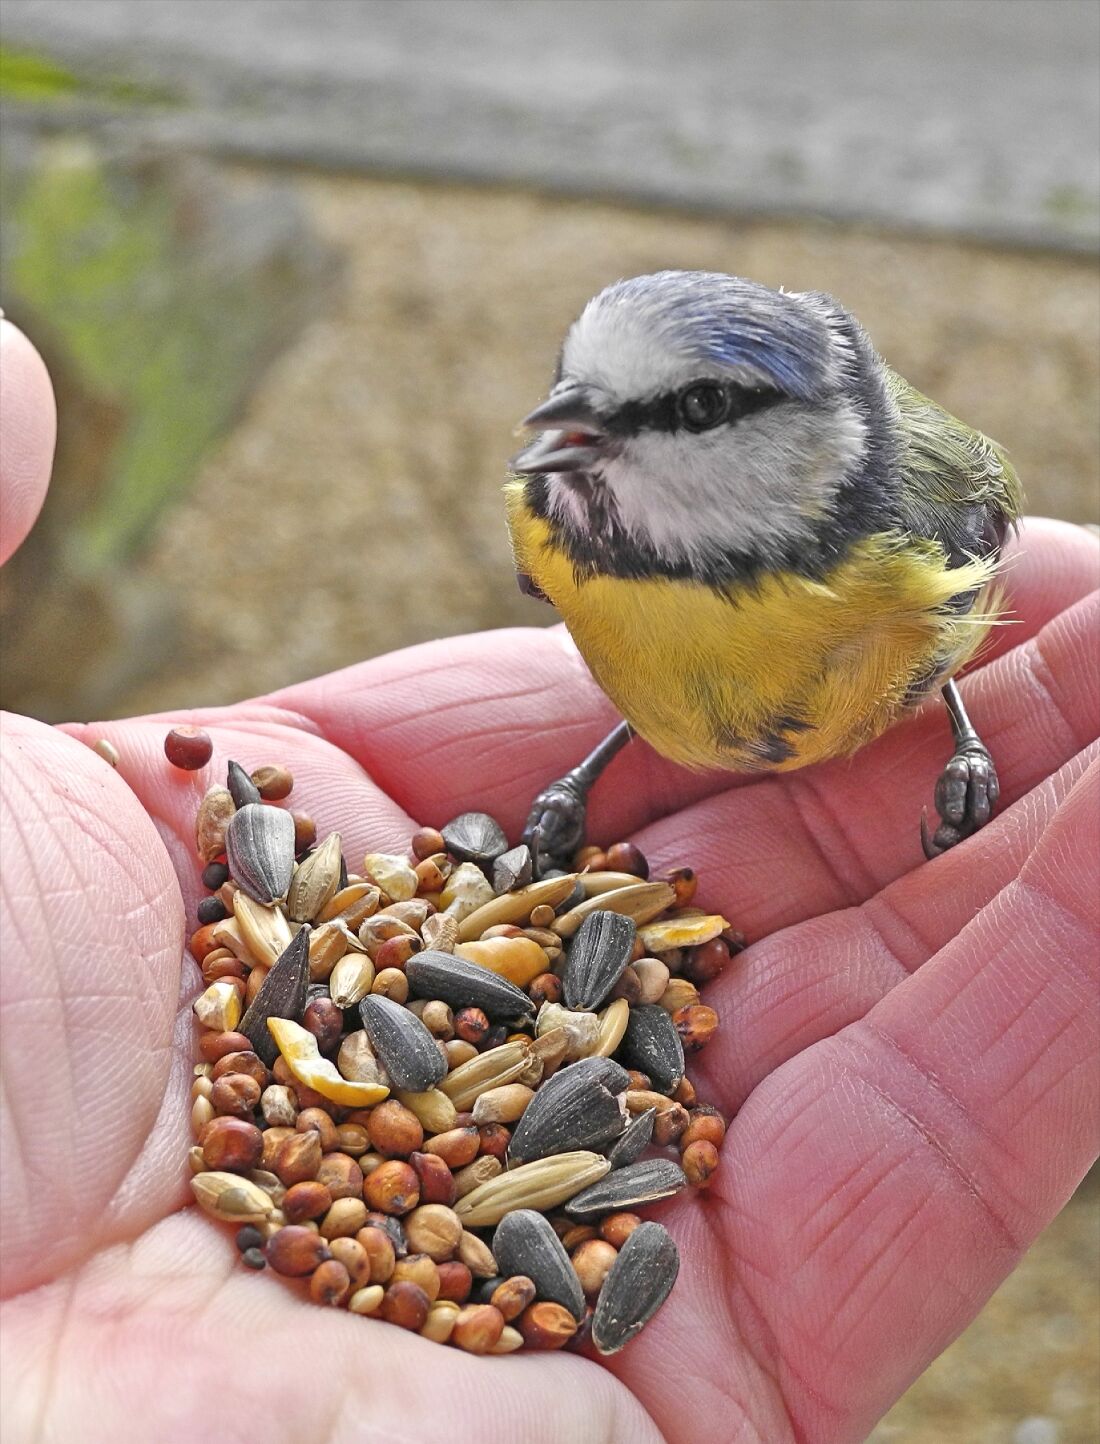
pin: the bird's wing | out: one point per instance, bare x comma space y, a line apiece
958, 487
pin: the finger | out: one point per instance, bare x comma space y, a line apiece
890, 1177
806, 983
92, 929
28, 430
830, 837
167, 1310
486, 721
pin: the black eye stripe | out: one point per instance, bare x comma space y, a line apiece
662, 413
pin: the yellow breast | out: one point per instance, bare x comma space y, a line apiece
774, 675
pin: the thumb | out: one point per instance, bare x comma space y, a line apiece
28, 430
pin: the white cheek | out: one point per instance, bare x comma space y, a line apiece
769, 478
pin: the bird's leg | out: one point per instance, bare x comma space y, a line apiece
555, 824
967, 790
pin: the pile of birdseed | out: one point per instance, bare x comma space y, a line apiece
436, 1090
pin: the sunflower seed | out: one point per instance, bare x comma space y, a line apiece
406, 1048
475, 837
241, 787
525, 1243
573, 1109
634, 1140
464, 984
640, 901
512, 869
630, 1187
259, 845
316, 881
282, 994
541, 1185
600, 951
639, 1281
652, 1045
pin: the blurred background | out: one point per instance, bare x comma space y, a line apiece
299, 266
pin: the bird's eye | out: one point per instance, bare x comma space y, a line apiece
703, 405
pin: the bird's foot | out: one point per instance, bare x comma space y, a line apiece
555, 825
966, 795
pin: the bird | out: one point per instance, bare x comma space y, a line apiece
765, 543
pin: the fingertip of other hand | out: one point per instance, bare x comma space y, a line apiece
28, 431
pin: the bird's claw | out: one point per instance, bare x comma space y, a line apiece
555, 826
966, 794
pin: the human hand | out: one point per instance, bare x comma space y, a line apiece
911, 1047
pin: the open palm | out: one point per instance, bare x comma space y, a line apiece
909, 1050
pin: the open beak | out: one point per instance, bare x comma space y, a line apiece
573, 437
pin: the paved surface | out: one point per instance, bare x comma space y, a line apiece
979, 116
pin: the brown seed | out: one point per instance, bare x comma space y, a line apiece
392, 1188
456, 1147
221, 964
215, 810
419, 1269
188, 748
475, 1174
295, 1251
592, 1262
306, 1200
395, 1131
575, 1236
437, 1183
341, 1175
321, 1123
669, 1124
235, 1094
273, 783
704, 963
685, 1093
502, 1105
471, 1025
297, 1158
406, 1305
325, 1021
494, 1139
699, 1160
256, 979
477, 1328
546, 1326
513, 1296
344, 1219
426, 841
213, 1046
272, 1138
355, 1259
546, 988
392, 955
625, 857
368, 1162
680, 993
695, 1025
616, 1228
305, 831
330, 1284
391, 983
379, 1249
430, 878
629, 986
455, 1281
352, 1138
541, 916
684, 882
707, 1124
439, 1020
231, 1145
435, 1230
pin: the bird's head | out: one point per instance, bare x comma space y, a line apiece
696, 415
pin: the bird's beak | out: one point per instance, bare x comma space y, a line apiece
577, 439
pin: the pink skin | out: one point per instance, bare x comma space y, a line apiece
912, 1047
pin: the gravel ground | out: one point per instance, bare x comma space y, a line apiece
356, 509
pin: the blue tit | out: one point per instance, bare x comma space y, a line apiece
765, 543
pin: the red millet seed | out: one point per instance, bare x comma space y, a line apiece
188, 748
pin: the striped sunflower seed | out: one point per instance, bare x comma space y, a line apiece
407, 1050
639, 1281
525, 1243
574, 1109
652, 1045
463, 984
475, 837
241, 787
282, 994
634, 1139
599, 952
259, 847
512, 869
541, 1185
628, 1188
